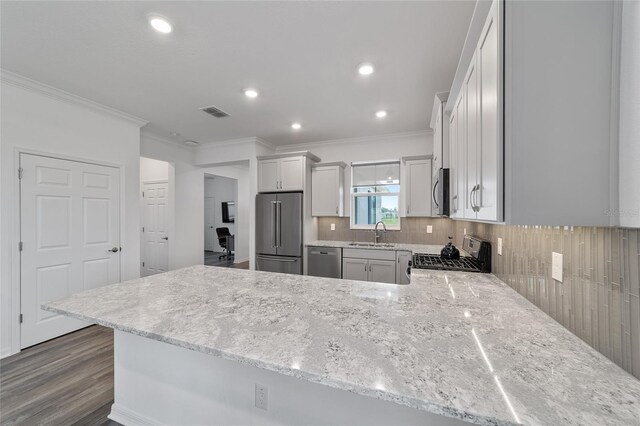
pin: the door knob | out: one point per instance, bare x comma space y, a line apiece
114, 250
165, 238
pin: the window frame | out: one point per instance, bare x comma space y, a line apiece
354, 195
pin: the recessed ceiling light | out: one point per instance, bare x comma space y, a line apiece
381, 114
191, 143
296, 126
251, 93
160, 24
366, 68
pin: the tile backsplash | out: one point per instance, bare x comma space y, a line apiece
413, 230
599, 298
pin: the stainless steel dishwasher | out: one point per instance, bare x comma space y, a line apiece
325, 262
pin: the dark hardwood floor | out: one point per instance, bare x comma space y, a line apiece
211, 258
64, 381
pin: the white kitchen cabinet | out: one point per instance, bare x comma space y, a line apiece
327, 189
522, 159
283, 173
292, 174
268, 175
440, 133
417, 186
382, 271
453, 166
355, 269
369, 265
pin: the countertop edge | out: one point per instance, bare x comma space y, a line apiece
300, 374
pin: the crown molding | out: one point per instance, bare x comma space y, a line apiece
155, 138
266, 144
219, 144
61, 95
360, 139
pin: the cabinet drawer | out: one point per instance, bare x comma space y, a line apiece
359, 253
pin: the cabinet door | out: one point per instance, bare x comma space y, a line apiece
355, 269
268, 175
418, 180
461, 161
291, 174
488, 196
453, 165
437, 142
382, 271
325, 191
470, 89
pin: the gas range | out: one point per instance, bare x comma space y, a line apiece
479, 259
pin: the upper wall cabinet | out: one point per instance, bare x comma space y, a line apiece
417, 184
283, 173
440, 133
327, 189
516, 156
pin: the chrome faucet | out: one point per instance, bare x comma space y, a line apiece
376, 236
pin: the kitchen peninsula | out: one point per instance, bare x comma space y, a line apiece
196, 345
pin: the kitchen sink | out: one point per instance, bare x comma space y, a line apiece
371, 245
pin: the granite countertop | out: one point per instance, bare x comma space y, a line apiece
458, 344
413, 248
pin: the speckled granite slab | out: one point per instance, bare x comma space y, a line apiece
459, 344
413, 248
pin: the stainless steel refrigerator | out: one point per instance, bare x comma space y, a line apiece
279, 232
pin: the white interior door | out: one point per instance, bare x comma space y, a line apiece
155, 224
70, 233
210, 236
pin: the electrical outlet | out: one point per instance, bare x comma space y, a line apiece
500, 246
262, 396
556, 266
333, 226
429, 229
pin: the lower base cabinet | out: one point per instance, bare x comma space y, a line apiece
369, 265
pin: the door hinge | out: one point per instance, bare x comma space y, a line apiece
143, 229
20, 172
20, 246
21, 318
142, 194
142, 263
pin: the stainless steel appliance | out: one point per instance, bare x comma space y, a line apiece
279, 232
479, 259
403, 267
324, 262
440, 192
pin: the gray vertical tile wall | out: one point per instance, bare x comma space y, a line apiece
599, 298
413, 230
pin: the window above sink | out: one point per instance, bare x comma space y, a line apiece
375, 195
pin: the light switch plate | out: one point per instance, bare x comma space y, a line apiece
429, 229
556, 266
464, 231
333, 226
500, 246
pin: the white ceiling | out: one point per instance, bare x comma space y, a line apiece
301, 56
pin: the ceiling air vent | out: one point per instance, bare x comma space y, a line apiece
215, 111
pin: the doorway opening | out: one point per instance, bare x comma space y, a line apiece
156, 219
220, 220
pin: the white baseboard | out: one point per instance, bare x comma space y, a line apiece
241, 260
128, 417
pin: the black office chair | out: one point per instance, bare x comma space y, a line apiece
225, 239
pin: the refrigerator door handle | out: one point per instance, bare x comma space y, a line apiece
279, 223
273, 227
